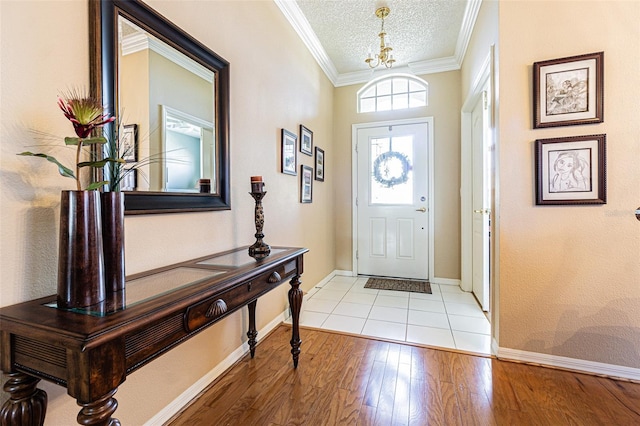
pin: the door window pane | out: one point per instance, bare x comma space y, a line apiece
391, 170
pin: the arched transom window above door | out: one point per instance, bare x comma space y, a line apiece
393, 92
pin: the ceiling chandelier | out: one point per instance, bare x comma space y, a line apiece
385, 57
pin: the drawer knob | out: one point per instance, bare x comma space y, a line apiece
274, 278
216, 309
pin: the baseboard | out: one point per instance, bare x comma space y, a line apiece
194, 390
442, 281
446, 281
579, 365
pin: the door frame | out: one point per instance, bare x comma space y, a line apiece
354, 184
485, 75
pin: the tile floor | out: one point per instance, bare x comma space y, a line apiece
448, 317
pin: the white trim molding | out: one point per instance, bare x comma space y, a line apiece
445, 281
573, 364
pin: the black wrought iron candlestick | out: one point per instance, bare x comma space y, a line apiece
259, 250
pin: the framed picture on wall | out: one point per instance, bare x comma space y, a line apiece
289, 163
306, 184
568, 91
306, 140
129, 143
571, 170
129, 180
319, 176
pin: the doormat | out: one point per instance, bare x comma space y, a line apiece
399, 285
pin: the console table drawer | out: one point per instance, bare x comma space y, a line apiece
220, 305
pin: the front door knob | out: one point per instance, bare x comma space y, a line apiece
422, 209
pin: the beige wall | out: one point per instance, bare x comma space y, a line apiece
570, 275
275, 83
444, 107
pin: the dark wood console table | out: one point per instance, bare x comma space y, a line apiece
91, 353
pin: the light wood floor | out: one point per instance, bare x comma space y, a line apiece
344, 380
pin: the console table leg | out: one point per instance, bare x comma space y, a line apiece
27, 405
98, 413
252, 333
295, 302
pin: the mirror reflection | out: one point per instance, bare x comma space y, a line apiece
171, 100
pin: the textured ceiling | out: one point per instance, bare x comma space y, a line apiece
418, 30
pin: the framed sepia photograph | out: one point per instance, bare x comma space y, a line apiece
306, 184
571, 170
319, 176
306, 140
129, 143
289, 164
568, 91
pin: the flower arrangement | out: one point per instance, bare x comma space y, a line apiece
86, 114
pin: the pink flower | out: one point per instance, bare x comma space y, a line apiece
84, 112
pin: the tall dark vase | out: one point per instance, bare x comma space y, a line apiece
81, 280
113, 247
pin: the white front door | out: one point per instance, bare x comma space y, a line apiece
393, 200
480, 202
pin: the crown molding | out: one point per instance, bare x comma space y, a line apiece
141, 41
432, 66
297, 20
294, 15
466, 29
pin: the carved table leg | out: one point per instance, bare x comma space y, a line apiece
252, 333
98, 413
295, 302
27, 405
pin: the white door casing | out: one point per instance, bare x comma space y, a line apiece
392, 221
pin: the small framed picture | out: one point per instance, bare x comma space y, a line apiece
571, 170
319, 176
306, 184
129, 180
289, 164
306, 140
129, 143
568, 91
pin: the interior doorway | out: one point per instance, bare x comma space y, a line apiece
476, 187
393, 202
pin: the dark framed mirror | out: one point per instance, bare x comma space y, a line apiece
171, 93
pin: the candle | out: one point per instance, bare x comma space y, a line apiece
257, 185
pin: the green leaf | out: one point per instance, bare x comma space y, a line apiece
71, 141
64, 171
100, 163
94, 164
97, 185
97, 140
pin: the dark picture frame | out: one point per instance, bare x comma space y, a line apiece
306, 140
129, 143
306, 184
319, 160
289, 159
568, 91
571, 170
